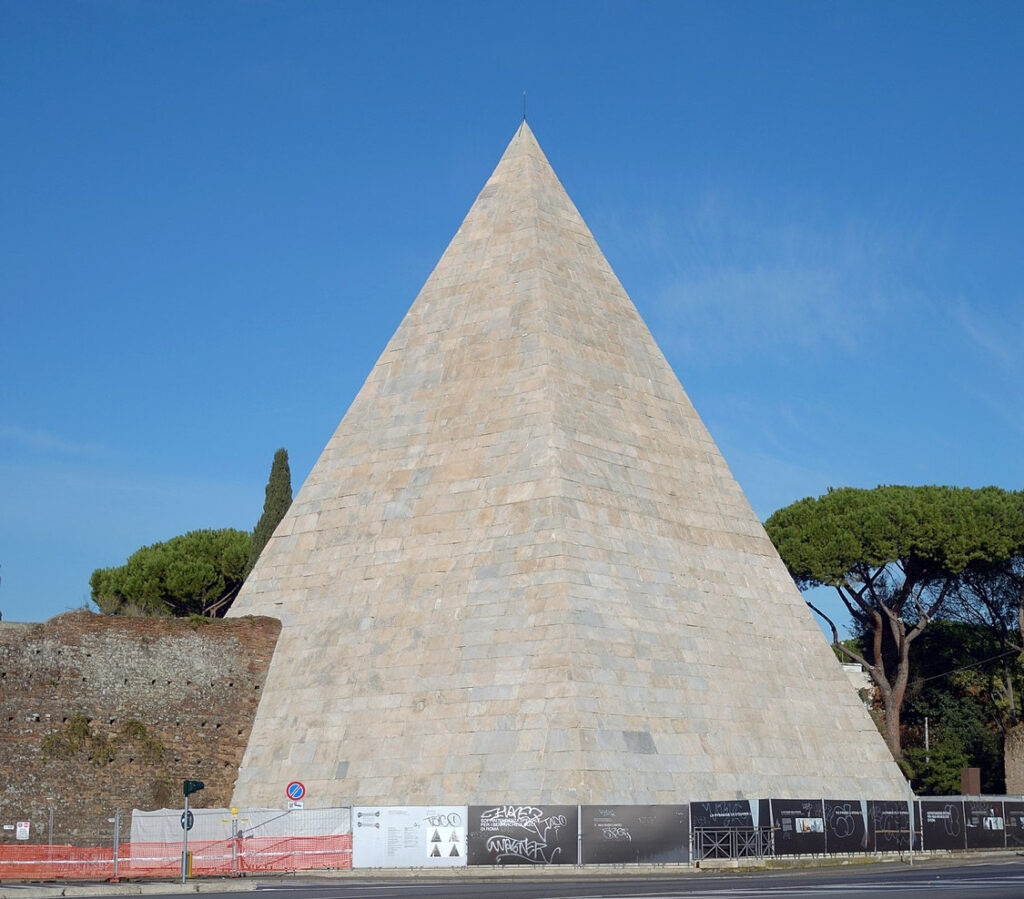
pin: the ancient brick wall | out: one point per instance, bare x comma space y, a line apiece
100, 713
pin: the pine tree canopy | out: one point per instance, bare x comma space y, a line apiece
182, 576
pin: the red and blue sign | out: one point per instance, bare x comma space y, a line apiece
295, 791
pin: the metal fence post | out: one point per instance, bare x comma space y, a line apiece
910, 820
579, 837
117, 838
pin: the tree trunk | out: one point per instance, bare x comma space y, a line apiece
1011, 700
892, 726
1020, 614
893, 691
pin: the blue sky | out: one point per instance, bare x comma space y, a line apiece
213, 216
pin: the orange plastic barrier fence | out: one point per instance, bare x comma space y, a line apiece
56, 863
209, 858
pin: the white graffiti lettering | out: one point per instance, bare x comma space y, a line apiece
511, 815
528, 817
451, 819
531, 851
841, 821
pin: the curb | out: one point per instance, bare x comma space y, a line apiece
56, 891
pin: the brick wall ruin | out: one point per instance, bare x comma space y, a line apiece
100, 713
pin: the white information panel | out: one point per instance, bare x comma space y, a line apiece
418, 836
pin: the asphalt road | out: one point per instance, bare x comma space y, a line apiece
1002, 879
990, 881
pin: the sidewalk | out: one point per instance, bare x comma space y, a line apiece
150, 888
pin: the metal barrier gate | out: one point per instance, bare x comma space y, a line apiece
731, 842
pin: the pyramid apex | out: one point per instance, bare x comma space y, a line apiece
524, 143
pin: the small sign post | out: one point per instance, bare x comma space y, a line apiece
295, 791
234, 842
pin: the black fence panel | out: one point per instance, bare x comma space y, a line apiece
799, 826
985, 824
729, 813
736, 828
1013, 813
846, 825
523, 835
635, 834
889, 824
942, 824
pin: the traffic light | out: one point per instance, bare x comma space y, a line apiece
192, 786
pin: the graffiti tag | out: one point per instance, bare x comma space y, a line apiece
526, 850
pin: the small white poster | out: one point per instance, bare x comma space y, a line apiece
408, 836
445, 842
21, 830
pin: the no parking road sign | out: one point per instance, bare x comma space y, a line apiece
295, 791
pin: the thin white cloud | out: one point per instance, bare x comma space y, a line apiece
45, 442
729, 280
780, 286
742, 309
993, 339
999, 341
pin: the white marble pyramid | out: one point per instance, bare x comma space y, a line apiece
521, 570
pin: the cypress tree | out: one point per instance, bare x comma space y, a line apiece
278, 499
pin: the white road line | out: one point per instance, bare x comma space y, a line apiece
931, 886
936, 885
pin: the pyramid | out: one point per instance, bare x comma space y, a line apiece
521, 570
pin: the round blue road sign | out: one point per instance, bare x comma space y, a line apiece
186, 823
295, 790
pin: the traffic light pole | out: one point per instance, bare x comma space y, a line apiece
184, 842
188, 788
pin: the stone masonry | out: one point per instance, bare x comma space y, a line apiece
521, 570
100, 713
